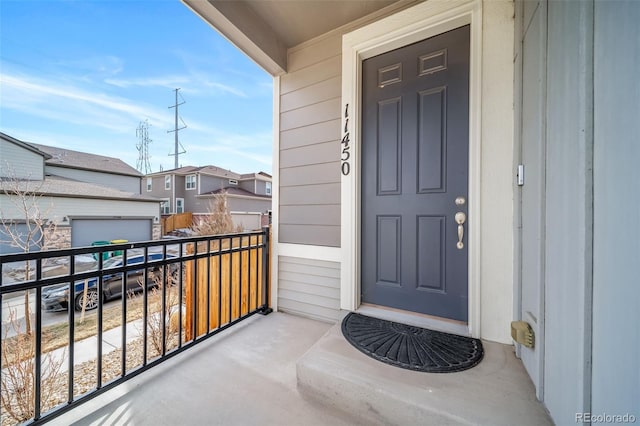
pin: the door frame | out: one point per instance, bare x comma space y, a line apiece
417, 23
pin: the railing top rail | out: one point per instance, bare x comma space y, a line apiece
21, 257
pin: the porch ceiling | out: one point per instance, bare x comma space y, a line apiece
265, 29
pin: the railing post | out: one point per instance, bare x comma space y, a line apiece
265, 309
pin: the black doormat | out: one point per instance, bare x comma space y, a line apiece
410, 347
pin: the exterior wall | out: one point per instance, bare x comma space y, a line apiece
616, 293
57, 208
309, 181
156, 231
248, 205
497, 168
567, 264
178, 191
212, 183
247, 221
248, 185
191, 202
61, 239
309, 288
157, 187
261, 187
124, 183
18, 162
197, 204
179, 186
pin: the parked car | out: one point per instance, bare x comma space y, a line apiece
56, 297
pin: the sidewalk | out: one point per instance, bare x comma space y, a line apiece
87, 349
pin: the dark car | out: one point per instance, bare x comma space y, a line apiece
56, 297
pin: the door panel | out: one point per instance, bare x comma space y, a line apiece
414, 164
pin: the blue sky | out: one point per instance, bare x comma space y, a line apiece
82, 75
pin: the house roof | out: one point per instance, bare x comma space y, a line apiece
205, 170
260, 176
63, 157
265, 30
56, 186
25, 145
232, 190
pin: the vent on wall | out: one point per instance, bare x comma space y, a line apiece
233, 182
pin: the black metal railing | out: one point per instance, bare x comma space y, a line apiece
189, 289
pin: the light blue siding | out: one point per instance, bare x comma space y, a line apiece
616, 281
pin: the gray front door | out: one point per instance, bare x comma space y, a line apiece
415, 149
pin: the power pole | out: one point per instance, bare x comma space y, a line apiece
142, 132
176, 129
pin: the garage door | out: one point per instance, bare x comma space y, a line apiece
86, 231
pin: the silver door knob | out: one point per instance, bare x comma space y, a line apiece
460, 218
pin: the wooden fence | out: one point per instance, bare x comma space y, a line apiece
232, 278
176, 221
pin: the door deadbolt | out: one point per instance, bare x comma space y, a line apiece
460, 201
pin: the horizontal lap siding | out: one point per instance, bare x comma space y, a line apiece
309, 287
20, 163
310, 105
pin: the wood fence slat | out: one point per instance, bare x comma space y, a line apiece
234, 280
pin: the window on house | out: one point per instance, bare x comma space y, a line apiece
179, 205
267, 189
190, 182
233, 182
165, 207
167, 182
149, 184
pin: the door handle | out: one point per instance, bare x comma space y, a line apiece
460, 217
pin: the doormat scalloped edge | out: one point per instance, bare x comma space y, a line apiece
410, 347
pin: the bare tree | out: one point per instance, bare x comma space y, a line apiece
17, 384
219, 220
25, 226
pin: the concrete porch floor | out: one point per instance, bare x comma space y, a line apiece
247, 375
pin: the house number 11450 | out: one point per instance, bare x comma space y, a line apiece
346, 166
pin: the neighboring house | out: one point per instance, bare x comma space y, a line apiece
393, 119
191, 189
89, 197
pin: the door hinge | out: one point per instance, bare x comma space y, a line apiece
522, 333
520, 174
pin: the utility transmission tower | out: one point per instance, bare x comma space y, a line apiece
142, 132
179, 149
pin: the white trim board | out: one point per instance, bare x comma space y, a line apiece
329, 254
411, 25
275, 194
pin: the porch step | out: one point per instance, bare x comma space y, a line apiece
496, 392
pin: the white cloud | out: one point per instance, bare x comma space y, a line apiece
67, 113
194, 83
62, 101
101, 65
169, 82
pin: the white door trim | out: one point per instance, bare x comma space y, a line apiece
409, 26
